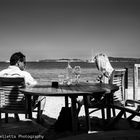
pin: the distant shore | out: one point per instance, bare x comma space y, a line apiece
112, 59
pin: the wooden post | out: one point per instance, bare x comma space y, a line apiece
126, 85
135, 81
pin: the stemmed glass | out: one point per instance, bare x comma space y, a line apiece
61, 79
77, 72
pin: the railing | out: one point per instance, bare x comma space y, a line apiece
135, 81
126, 85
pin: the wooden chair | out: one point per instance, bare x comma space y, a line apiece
97, 104
129, 114
11, 100
118, 77
125, 103
94, 105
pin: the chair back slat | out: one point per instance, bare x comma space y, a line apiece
11, 99
118, 77
12, 81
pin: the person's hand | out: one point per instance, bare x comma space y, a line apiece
99, 78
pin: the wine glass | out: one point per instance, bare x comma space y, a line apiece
61, 79
77, 72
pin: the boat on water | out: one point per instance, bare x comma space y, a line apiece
91, 60
7, 61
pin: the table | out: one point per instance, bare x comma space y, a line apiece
72, 91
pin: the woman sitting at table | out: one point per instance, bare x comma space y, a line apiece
104, 66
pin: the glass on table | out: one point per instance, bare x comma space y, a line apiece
61, 78
77, 72
99, 78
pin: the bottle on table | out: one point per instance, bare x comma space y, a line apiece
69, 73
77, 72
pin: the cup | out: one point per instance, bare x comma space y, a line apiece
61, 79
55, 84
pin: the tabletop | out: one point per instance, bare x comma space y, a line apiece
72, 91
62, 90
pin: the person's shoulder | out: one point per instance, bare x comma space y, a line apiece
3, 71
25, 73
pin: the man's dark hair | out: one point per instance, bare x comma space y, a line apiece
18, 56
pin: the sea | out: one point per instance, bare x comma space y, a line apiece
45, 72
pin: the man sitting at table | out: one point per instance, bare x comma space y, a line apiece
17, 68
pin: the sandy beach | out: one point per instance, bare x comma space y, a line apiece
54, 105
51, 113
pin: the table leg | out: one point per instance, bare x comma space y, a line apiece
74, 115
87, 113
39, 112
108, 104
29, 106
66, 101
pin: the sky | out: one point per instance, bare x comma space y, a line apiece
55, 29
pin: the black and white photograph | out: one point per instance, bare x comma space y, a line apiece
69, 69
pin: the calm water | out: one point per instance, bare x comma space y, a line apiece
48, 71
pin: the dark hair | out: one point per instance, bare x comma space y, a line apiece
18, 56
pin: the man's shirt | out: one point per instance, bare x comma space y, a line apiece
14, 71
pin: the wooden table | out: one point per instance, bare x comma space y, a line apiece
72, 91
